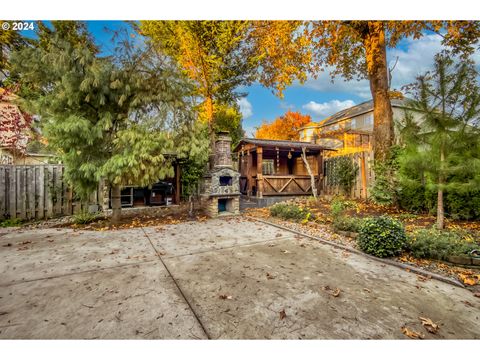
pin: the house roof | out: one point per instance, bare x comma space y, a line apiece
280, 143
353, 111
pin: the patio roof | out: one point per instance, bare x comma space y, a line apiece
280, 144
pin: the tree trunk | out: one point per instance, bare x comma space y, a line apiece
209, 111
441, 181
116, 205
377, 68
309, 170
190, 207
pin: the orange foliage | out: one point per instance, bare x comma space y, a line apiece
284, 127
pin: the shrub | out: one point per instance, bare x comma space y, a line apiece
382, 236
465, 205
440, 244
344, 223
345, 172
338, 206
291, 212
10, 223
85, 217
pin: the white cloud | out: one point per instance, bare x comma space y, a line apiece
245, 107
414, 58
327, 108
323, 83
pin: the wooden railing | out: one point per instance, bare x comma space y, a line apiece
287, 184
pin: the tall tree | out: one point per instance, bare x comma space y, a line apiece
116, 119
210, 53
285, 127
352, 49
9, 41
442, 147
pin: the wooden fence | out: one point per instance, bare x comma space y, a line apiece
39, 192
364, 178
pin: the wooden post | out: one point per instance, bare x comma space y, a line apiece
177, 183
259, 172
320, 171
247, 173
364, 176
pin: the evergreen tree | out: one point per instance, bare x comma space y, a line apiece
117, 118
442, 148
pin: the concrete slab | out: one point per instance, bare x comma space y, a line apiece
128, 302
37, 254
375, 300
238, 275
195, 237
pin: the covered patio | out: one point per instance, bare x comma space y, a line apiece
276, 167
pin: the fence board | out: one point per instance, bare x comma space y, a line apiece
3, 190
38, 191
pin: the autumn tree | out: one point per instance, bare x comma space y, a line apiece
289, 50
210, 53
441, 148
119, 118
285, 127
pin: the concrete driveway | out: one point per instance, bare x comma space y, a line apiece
227, 278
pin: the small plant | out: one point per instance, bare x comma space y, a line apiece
339, 205
10, 223
85, 217
344, 223
291, 212
440, 244
382, 236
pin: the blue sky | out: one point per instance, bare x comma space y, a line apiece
317, 97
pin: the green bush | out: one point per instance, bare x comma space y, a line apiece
85, 217
291, 212
382, 236
338, 206
465, 206
345, 223
345, 172
440, 244
10, 223
458, 205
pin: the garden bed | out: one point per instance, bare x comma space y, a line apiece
322, 226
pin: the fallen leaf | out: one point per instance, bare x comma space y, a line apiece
285, 251
270, 276
225, 297
278, 235
412, 334
477, 294
334, 292
429, 325
468, 303
367, 290
283, 314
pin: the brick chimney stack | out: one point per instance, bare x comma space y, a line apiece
223, 156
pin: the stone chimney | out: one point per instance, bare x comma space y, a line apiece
223, 156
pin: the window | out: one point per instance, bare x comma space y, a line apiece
268, 167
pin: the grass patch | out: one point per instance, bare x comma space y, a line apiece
10, 223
